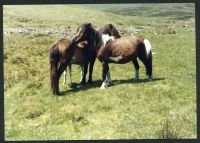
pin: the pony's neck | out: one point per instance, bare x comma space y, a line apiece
96, 39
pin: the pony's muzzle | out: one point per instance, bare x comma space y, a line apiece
76, 39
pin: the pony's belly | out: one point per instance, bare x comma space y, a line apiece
77, 60
78, 57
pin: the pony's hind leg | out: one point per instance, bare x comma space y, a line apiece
62, 67
70, 75
82, 72
137, 66
105, 69
109, 81
65, 73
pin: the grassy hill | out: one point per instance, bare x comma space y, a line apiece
172, 11
59, 16
163, 108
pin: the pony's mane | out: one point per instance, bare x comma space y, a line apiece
104, 29
95, 36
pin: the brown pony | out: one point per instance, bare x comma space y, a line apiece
65, 52
119, 51
79, 58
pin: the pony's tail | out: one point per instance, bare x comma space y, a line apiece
53, 60
148, 49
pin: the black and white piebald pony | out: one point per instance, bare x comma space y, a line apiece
118, 51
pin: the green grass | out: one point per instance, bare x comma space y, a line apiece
125, 110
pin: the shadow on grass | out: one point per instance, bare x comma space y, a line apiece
96, 84
77, 87
132, 81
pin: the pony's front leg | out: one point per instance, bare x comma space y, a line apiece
105, 70
84, 74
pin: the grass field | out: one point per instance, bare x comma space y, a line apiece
162, 108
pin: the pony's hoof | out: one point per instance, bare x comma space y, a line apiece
71, 85
150, 78
82, 83
136, 79
56, 93
109, 83
102, 87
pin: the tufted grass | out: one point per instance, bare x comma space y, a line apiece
162, 108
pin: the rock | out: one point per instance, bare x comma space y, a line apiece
77, 118
62, 33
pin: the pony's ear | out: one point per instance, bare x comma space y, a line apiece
110, 25
89, 25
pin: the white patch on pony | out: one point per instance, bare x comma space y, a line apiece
70, 75
106, 38
147, 46
116, 59
104, 85
64, 82
81, 73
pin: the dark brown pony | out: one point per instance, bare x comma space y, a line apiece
119, 51
65, 52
